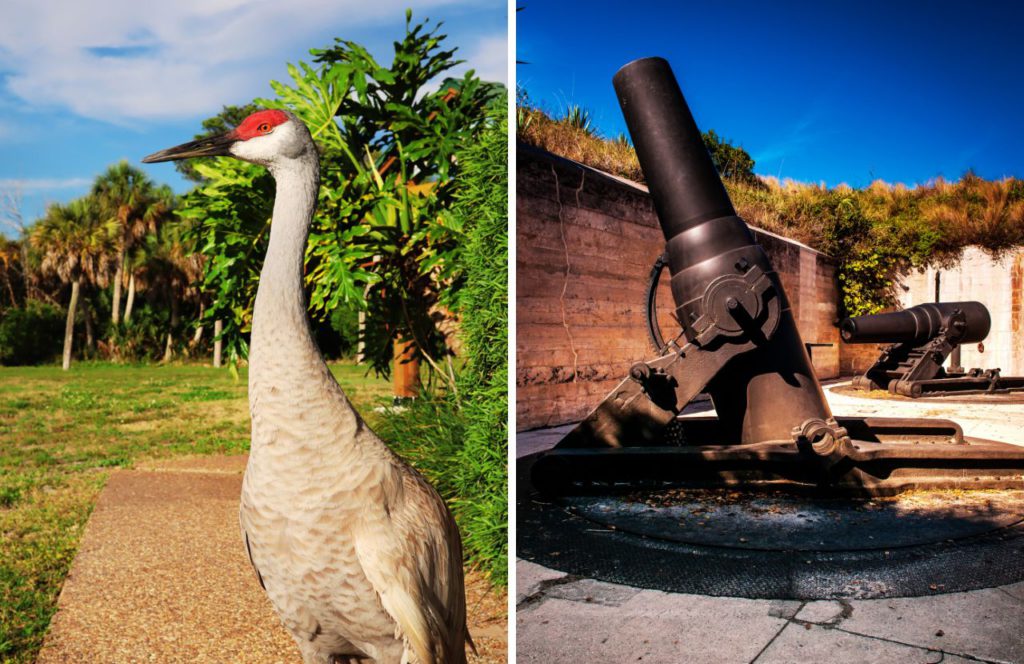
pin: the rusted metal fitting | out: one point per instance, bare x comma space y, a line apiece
823, 440
640, 372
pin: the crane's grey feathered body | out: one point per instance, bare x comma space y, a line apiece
359, 555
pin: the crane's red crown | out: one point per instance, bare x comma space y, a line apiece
260, 123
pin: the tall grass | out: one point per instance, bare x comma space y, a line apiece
578, 118
562, 137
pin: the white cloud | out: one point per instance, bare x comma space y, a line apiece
28, 185
123, 60
489, 57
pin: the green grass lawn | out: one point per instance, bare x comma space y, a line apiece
60, 433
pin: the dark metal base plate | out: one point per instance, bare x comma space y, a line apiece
886, 456
728, 543
948, 397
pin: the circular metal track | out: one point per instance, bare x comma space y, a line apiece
778, 546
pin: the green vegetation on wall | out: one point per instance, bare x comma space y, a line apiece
883, 230
875, 233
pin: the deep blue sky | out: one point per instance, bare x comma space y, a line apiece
84, 84
814, 91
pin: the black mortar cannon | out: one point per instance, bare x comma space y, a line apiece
919, 340
740, 345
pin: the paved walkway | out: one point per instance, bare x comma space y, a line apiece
561, 618
994, 421
161, 576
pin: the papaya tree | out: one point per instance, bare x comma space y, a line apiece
383, 235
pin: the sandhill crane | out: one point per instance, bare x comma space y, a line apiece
357, 552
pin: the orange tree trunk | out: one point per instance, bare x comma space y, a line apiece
406, 371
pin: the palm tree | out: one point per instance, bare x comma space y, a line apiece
11, 266
125, 195
75, 243
169, 272
159, 209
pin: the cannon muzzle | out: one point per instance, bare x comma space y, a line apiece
704, 237
965, 322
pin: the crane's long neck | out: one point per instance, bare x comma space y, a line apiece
280, 298
287, 373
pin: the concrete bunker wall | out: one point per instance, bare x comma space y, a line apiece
585, 244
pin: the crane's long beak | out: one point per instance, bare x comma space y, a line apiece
204, 147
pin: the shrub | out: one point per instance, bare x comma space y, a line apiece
143, 338
382, 229
468, 469
461, 444
345, 321
32, 334
482, 202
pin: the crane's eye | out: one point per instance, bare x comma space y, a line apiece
264, 128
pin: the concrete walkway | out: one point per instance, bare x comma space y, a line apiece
161, 576
561, 618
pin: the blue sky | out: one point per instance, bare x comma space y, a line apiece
815, 91
85, 83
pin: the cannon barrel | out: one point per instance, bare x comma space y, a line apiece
768, 391
701, 228
969, 322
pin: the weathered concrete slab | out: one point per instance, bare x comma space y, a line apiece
593, 592
531, 578
797, 643
584, 620
987, 624
1015, 590
651, 627
825, 612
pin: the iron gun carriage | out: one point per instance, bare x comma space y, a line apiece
918, 342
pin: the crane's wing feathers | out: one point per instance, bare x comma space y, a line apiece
414, 562
248, 550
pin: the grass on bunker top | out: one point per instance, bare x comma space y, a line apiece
61, 432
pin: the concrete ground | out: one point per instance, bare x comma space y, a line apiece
161, 576
561, 618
